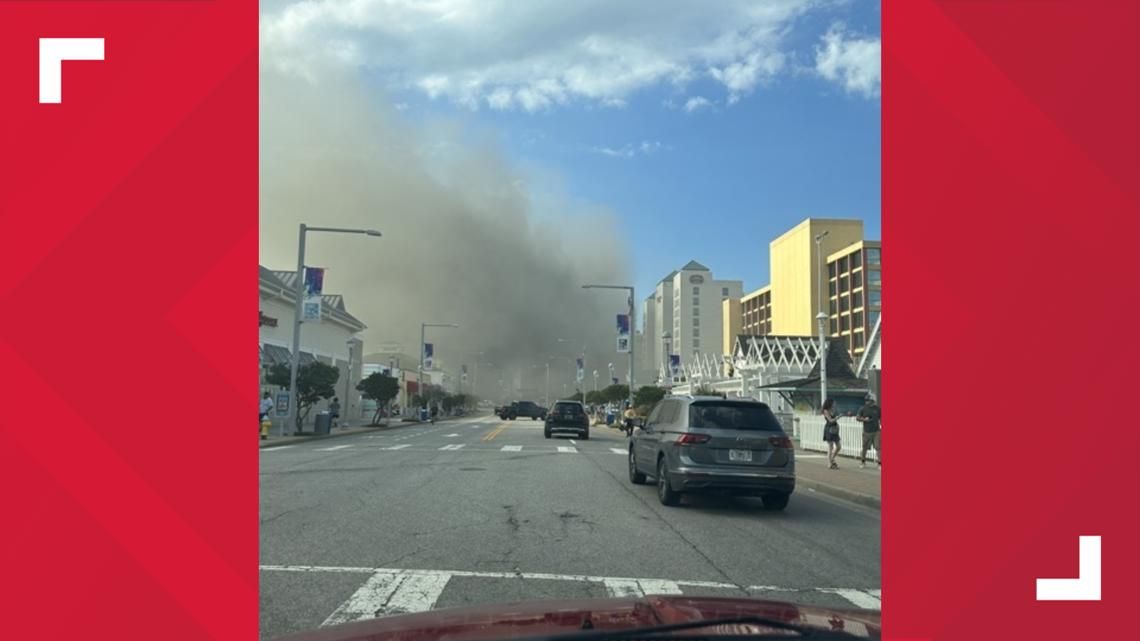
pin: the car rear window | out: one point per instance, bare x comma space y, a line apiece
572, 409
729, 415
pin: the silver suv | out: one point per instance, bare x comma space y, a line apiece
699, 444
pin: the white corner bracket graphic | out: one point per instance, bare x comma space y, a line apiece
1086, 587
53, 51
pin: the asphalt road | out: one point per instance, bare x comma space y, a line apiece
481, 510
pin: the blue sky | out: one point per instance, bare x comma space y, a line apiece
596, 92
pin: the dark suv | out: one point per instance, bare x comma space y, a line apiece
529, 409
567, 416
701, 444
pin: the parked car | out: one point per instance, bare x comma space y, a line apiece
711, 444
567, 417
528, 409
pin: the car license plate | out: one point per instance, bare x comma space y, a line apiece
740, 456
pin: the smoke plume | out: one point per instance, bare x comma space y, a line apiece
462, 240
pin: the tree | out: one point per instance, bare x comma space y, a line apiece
615, 393
595, 398
381, 388
315, 382
576, 396
648, 395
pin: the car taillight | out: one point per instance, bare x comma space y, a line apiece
780, 441
691, 439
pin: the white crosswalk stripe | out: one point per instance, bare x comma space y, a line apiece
333, 448
398, 447
276, 448
454, 446
617, 450
511, 448
566, 449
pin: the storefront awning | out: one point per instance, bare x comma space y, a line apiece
274, 355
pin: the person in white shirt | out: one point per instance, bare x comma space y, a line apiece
266, 407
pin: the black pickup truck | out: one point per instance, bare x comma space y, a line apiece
522, 408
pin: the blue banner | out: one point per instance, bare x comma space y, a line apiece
429, 352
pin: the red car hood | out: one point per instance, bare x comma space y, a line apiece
541, 618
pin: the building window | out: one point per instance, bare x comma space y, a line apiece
873, 257
857, 299
843, 264
696, 291
696, 343
844, 304
696, 311
875, 297
857, 319
831, 270
696, 332
696, 322
856, 259
844, 283
875, 278
724, 291
858, 340
696, 300
832, 306
830, 288
872, 318
834, 325
844, 323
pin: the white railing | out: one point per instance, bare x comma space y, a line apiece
809, 432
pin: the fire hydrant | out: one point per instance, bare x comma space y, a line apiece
266, 423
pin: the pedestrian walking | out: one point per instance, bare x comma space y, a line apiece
831, 432
334, 410
871, 416
434, 412
266, 407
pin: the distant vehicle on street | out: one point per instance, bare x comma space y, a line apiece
517, 409
567, 417
711, 444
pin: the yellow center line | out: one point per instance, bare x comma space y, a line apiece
490, 436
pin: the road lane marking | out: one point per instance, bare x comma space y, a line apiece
566, 449
276, 448
388, 593
397, 447
454, 446
490, 436
430, 580
617, 450
573, 442
640, 587
859, 598
511, 448
333, 448
452, 435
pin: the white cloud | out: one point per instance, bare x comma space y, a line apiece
852, 61
534, 55
697, 103
629, 150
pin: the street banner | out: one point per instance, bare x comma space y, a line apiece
464, 377
429, 352
581, 370
674, 366
314, 285
623, 333
615, 380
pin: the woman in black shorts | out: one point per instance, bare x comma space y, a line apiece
831, 432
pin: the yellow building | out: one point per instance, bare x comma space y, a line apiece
855, 290
795, 259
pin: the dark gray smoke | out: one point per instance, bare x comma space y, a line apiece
462, 241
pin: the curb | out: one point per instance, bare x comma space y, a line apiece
835, 491
356, 430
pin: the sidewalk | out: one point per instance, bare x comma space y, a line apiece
276, 439
848, 482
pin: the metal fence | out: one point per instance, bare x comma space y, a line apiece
808, 432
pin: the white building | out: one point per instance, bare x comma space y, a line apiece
333, 341
687, 304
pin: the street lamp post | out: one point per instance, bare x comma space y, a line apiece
348, 378
632, 324
822, 317
423, 348
299, 311
667, 340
